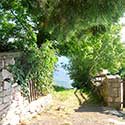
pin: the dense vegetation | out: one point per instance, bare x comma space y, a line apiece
36, 66
33, 21
84, 30
95, 52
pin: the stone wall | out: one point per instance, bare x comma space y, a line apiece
5, 81
112, 91
14, 108
21, 110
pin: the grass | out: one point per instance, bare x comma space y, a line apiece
62, 93
59, 88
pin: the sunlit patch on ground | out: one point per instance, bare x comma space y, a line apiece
65, 110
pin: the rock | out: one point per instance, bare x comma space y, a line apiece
15, 120
21, 110
7, 74
11, 119
59, 108
33, 106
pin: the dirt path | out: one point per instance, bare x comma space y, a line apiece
68, 112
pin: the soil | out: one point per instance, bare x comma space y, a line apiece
69, 112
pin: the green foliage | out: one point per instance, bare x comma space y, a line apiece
59, 88
122, 70
91, 53
69, 12
33, 21
79, 27
62, 94
16, 27
36, 65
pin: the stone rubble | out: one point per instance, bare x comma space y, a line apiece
23, 110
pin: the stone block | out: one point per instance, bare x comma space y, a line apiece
116, 84
120, 92
1, 88
13, 120
1, 63
111, 80
6, 74
3, 106
1, 115
1, 94
33, 106
7, 92
0, 60
7, 99
118, 99
16, 93
1, 80
5, 110
115, 92
117, 105
110, 99
9, 61
1, 101
7, 85
25, 110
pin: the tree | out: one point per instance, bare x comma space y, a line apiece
94, 52
38, 20
74, 25
16, 27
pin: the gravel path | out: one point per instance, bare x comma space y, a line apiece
69, 112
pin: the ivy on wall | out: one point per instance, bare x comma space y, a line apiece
36, 65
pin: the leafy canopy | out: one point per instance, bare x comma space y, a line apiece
33, 21
36, 66
90, 53
80, 29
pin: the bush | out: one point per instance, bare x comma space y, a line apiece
36, 65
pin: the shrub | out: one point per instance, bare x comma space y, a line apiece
36, 65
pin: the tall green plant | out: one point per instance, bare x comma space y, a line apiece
33, 21
93, 52
36, 65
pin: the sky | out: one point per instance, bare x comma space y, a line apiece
61, 76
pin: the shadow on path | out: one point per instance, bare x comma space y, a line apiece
100, 109
95, 104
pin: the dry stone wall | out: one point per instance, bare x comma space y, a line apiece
21, 110
14, 108
5, 81
112, 91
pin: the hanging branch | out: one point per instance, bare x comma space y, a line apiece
24, 26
